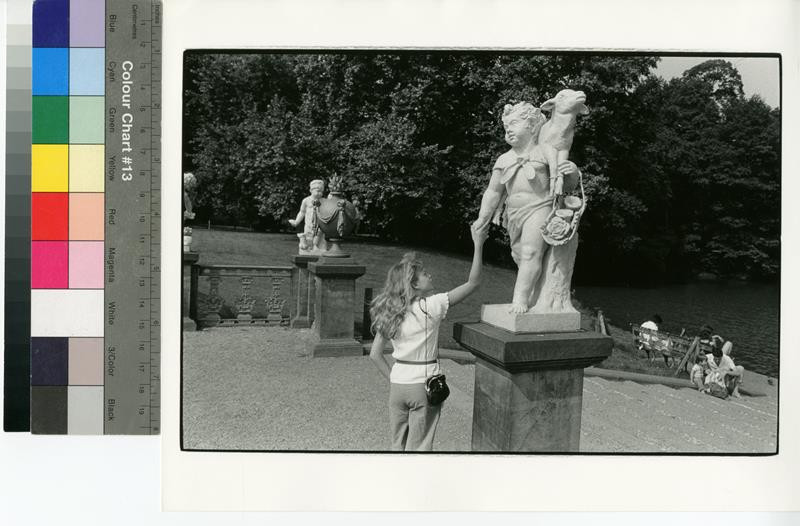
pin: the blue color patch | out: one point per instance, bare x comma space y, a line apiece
51, 23
50, 73
86, 74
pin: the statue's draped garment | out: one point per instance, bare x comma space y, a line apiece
513, 165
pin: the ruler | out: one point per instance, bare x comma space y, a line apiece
132, 217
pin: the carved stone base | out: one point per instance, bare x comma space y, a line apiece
537, 411
528, 387
499, 316
335, 291
189, 291
303, 287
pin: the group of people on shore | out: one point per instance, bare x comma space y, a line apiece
718, 379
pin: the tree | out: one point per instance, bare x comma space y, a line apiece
415, 136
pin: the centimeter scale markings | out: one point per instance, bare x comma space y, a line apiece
133, 217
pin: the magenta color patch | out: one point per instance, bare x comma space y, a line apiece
49, 264
86, 264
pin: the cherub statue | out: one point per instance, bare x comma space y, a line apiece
522, 179
312, 240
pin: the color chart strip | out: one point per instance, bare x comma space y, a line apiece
133, 210
16, 390
67, 217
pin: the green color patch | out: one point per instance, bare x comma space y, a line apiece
86, 120
50, 120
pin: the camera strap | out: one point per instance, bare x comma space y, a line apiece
436, 358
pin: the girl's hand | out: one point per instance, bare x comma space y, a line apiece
479, 233
293, 222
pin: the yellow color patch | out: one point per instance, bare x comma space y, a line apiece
49, 168
86, 168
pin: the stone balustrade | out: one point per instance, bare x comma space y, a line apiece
240, 295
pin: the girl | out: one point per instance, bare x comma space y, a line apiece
409, 314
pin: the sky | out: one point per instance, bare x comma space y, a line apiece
760, 75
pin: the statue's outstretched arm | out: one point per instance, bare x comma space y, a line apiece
301, 214
491, 199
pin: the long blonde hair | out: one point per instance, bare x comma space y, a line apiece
389, 308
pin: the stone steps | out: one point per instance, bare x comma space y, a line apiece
259, 389
626, 416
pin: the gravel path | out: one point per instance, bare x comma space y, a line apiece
258, 388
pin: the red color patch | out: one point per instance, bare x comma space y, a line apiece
49, 216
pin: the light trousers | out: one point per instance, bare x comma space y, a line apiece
413, 421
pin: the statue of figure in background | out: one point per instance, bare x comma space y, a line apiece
529, 185
312, 240
337, 217
189, 188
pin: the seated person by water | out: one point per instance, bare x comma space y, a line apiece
709, 340
697, 374
715, 381
646, 336
732, 373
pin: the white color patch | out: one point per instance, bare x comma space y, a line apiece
66, 312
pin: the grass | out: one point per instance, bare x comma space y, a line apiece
448, 270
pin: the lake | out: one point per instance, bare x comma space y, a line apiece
745, 313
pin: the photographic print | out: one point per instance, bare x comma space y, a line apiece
480, 252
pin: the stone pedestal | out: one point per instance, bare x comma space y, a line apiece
189, 290
303, 285
499, 316
529, 386
335, 296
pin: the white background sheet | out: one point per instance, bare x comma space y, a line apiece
336, 481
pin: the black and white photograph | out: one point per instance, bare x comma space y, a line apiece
480, 252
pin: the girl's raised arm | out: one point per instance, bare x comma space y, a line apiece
459, 293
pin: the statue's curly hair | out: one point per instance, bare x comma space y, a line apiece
528, 112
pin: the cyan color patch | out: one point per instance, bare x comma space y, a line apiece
50, 74
86, 74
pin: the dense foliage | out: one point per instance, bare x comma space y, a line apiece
683, 176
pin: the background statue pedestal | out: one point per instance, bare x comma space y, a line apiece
189, 290
499, 316
334, 304
529, 386
303, 285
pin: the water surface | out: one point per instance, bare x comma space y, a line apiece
745, 313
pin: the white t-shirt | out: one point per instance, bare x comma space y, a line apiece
726, 364
417, 333
697, 372
645, 336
